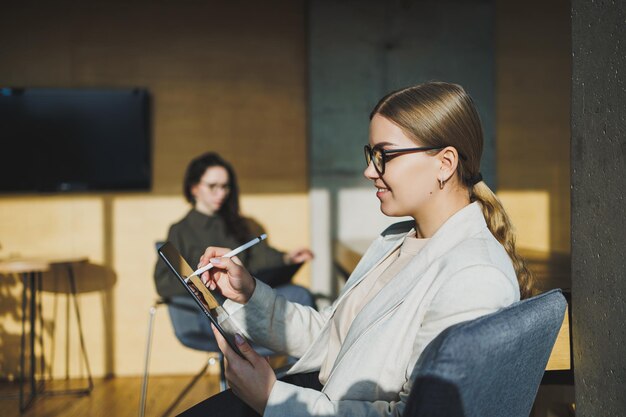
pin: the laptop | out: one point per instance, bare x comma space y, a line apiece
278, 275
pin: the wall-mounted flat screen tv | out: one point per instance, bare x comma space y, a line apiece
64, 140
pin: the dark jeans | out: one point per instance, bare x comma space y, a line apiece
227, 404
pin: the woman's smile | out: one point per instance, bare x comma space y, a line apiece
381, 191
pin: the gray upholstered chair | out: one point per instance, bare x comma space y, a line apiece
491, 366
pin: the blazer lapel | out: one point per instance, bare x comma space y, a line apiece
387, 299
375, 254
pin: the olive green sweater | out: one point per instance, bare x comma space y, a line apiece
197, 231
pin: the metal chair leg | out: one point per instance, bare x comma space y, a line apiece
144, 384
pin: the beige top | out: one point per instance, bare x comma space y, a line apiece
363, 293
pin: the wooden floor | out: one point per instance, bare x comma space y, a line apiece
118, 397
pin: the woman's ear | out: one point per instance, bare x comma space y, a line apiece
194, 191
449, 158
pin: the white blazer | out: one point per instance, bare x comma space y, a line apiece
461, 273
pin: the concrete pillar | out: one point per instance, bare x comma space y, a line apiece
598, 169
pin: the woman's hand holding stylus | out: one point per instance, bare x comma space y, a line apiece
228, 275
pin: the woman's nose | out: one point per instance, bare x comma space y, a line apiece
370, 172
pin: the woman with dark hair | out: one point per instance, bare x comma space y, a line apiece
221, 195
455, 260
210, 186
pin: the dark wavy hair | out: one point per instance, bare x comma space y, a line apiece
229, 211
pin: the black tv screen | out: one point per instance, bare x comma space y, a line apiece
59, 140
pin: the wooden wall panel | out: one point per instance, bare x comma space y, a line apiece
533, 74
227, 76
224, 76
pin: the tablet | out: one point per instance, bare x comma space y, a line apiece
210, 302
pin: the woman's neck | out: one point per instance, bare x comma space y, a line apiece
431, 218
203, 209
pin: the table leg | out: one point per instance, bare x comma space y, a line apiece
42, 357
23, 340
72, 295
33, 299
67, 335
70, 273
28, 280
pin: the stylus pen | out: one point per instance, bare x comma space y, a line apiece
230, 254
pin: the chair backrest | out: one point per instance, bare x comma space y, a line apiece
491, 366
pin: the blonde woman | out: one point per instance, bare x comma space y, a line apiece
454, 261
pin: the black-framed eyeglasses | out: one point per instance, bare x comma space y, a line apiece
213, 187
380, 156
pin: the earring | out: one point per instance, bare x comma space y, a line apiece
441, 183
